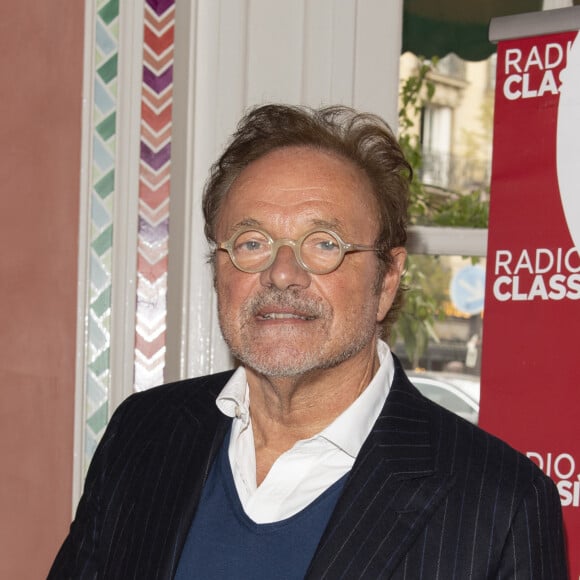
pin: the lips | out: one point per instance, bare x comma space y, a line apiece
284, 316
284, 306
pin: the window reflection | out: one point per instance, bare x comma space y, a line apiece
438, 335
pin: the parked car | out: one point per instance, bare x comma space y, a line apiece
457, 392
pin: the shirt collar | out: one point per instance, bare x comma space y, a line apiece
349, 430
234, 398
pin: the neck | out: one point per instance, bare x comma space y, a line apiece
285, 410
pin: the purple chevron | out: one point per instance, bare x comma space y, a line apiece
156, 159
160, 6
157, 83
151, 234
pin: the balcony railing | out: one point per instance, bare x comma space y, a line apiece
455, 173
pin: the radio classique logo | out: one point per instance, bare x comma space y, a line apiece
539, 274
562, 469
531, 74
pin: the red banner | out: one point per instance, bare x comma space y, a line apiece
531, 342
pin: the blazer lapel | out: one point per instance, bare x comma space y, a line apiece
391, 493
175, 453
195, 470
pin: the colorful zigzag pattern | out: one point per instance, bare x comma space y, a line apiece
154, 186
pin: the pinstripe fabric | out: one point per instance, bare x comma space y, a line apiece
429, 497
433, 497
144, 483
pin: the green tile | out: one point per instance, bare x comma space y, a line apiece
104, 241
105, 186
98, 420
108, 70
109, 11
102, 303
100, 364
106, 128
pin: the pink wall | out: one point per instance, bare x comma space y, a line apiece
40, 135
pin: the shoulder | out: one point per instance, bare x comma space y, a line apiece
190, 401
180, 393
471, 454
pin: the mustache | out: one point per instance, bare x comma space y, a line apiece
311, 306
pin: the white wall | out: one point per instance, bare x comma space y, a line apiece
231, 54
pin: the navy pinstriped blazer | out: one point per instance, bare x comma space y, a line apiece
430, 496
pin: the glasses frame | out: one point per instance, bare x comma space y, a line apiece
296, 245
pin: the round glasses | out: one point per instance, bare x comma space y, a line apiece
318, 251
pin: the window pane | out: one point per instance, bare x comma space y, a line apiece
438, 334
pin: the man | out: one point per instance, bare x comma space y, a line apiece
316, 458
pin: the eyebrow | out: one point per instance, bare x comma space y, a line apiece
334, 224
251, 222
246, 222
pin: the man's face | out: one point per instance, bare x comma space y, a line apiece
286, 321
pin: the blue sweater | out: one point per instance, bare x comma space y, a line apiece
224, 543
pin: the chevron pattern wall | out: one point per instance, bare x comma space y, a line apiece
153, 213
154, 185
102, 168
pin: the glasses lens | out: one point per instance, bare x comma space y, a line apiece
251, 250
321, 252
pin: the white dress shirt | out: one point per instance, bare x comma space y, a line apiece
312, 465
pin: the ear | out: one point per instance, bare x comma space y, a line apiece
391, 281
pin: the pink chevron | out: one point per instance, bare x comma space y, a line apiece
154, 266
159, 25
158, 62
150, 366
153, 138
149, 335
157, 101
145, 368
153, 255
151, 176
149, 189
150, 347
154, 217
151, 212
156, 120
160, 44
160, 20
151, 272
153, 198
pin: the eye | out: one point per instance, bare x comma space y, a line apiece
250, 242
327, 245
321, 242
248, 246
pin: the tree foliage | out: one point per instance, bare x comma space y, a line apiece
426, 279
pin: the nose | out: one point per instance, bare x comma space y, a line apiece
285, 272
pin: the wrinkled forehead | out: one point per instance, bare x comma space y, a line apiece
300, 183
